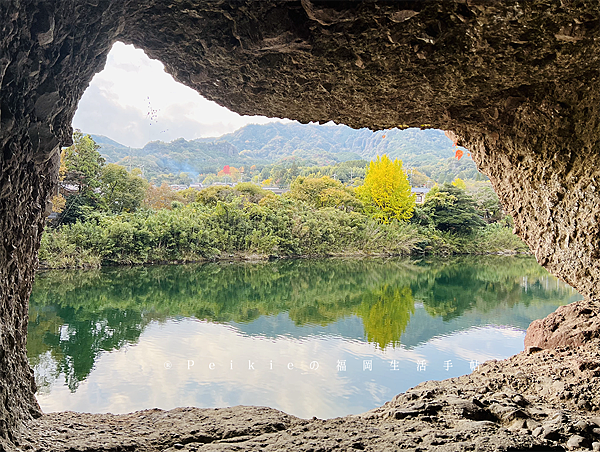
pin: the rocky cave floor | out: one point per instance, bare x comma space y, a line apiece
539, 400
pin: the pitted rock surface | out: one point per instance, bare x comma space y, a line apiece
517, 82
570, 325
546, 399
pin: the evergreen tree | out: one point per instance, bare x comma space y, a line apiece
450, 208
81, 165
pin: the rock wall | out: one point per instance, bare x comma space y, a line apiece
46, 63
21, 227
543, 163
516, 81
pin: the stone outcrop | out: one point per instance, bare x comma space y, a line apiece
516, 82
549, 399
571, 325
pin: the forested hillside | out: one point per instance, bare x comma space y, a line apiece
428, 151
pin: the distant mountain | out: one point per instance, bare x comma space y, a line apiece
157, 158
276, 140
428, 150
110, 149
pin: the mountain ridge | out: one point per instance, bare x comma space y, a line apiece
273, 143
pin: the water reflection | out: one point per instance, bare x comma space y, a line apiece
128, 323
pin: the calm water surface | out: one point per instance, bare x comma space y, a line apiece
318, 338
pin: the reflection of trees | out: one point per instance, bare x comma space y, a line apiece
76, 338
76, 315
312, 292
449, 289
385, 314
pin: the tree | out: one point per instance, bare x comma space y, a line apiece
450, 208
244, 192
190, 195
230, 172
486, 200
209, 180
459, 183
324, 192
121, 191
58, 203
161, 197
386, 192
183, 179
82, 164
419, 179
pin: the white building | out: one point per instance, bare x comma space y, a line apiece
420, 193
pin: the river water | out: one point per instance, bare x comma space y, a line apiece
321, 338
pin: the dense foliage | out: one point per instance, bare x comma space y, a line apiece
247, 220
450, 208
277, 226
114, 216
386, 192
119, 190
87, 184
324, 192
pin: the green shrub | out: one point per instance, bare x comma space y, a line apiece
276, 225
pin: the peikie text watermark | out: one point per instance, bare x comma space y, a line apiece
340, 366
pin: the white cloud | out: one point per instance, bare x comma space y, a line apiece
135, 377
134, 101
481, 343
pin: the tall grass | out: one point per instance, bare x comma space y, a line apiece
284, 229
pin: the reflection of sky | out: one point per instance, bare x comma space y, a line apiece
421, 328
135, 377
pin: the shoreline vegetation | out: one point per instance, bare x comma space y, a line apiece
274, 227
106, 215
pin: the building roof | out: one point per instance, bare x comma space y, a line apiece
423, 190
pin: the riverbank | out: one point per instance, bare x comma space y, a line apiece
69, 264
197, 233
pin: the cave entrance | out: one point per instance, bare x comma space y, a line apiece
103, 348
518, 83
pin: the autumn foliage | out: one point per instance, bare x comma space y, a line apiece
232, 172
386, 193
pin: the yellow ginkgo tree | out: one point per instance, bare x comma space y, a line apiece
386, 192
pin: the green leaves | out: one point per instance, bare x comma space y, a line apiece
324, 192
99, 187
82, 163
450, 208
119, 190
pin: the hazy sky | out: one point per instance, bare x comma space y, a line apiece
134, 101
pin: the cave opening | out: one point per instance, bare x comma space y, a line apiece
133, 101
517, 82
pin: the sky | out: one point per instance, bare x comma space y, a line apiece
134, 101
